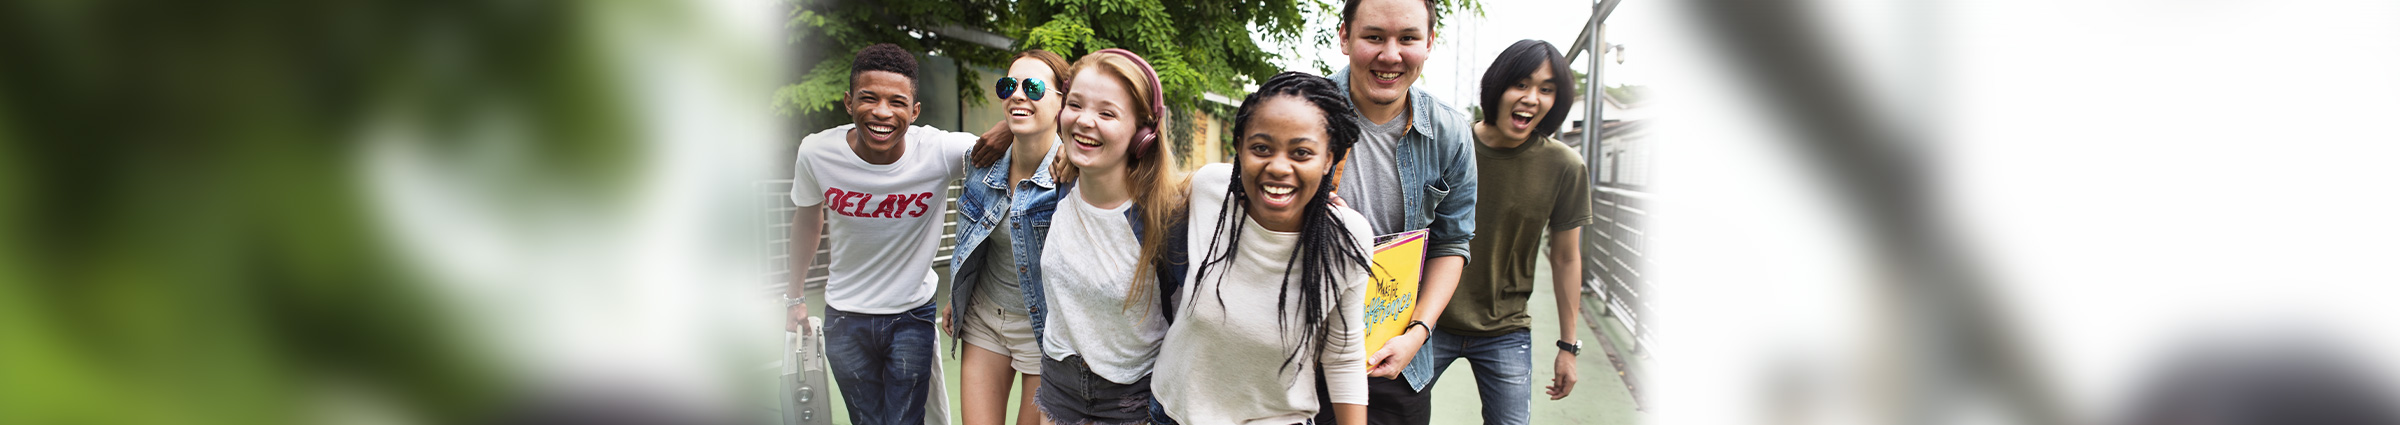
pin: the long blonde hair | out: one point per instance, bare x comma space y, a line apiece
1158, 184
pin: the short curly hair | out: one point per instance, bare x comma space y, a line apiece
886, 57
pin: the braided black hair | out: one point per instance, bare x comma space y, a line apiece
1325, 246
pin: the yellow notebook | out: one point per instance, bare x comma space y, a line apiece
1392, 298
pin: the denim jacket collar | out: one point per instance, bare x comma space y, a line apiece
997, 177
1434, 156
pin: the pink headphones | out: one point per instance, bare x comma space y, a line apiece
1145, 135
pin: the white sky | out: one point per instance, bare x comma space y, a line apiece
1467, 45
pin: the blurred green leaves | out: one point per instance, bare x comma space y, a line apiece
186, 238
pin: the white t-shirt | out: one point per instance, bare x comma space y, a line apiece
884, 221
1224, 365
1087, 266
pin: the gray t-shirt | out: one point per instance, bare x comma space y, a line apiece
1371, 181
1000, 288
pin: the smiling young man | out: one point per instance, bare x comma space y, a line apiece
1411, 169
1537, 188
877, 186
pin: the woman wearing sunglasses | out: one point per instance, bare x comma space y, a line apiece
1105, 321
1004, 212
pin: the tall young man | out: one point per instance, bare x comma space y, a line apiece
1537, 188
1411, 169
877, 185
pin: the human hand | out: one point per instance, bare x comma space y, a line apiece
1564, 382
993, 144
948, 328
1395, 355
798, 314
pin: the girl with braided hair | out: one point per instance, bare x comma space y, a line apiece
1275, 296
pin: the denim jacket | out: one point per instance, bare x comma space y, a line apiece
1436, 155
1029, 219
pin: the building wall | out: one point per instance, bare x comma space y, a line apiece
1626, 158
1203, 142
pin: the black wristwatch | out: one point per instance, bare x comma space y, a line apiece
1575, 348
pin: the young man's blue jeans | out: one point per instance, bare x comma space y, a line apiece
881, 363
1503, 371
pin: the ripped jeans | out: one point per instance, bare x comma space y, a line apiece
881, 362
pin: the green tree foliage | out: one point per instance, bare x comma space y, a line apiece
1328, 18
1198, 46
1630, 94
827, 34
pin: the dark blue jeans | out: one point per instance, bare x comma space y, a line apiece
882, 362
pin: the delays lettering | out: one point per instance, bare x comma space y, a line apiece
868, 205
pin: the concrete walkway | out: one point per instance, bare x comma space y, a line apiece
1599, 398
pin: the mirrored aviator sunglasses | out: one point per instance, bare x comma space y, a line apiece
1034, 88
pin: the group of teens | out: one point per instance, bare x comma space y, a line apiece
1116, 288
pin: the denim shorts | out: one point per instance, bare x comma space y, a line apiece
1072, 395
1008, 333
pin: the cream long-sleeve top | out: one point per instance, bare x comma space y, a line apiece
1225, 364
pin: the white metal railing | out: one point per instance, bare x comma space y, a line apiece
1614, 257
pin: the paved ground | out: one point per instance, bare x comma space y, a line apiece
1600, 398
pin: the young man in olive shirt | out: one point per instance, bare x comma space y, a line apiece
1532, 185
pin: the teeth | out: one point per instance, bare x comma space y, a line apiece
879, 129
1277, 190
1524, 115
1388, 75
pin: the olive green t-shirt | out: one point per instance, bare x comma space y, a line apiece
1522, 194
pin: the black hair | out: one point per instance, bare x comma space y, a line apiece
1326, 245
1519, 62
886, 57
1433, 14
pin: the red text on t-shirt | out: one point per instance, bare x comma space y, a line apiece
868, 205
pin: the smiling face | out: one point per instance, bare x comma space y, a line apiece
882, 104
1283, 160
1528, 100
1097, 122
1031, 116
1387, 41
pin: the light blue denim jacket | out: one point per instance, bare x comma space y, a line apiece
1029, 219
1435, 155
